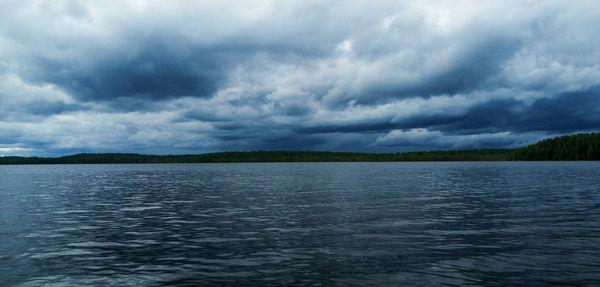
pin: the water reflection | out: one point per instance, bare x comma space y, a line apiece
306, 224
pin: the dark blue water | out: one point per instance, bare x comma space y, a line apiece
321, 224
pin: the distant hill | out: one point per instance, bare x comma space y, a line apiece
573, 147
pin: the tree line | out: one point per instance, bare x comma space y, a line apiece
571, 147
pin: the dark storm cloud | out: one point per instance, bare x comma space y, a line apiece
279, 142
564, 113
44, 108
370, 127
9, 136
567, 113
502, 123
186, 76
153, 70
475, 67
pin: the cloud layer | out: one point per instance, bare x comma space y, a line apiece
195, 76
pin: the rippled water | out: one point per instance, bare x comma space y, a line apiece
344, 224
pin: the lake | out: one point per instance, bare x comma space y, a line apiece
308, 224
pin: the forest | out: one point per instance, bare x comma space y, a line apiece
570, 147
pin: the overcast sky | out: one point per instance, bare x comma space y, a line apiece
171, 77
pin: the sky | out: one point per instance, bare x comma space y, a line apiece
174, 77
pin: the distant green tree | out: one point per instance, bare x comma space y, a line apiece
572, 147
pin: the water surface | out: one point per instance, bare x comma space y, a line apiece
319, 224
